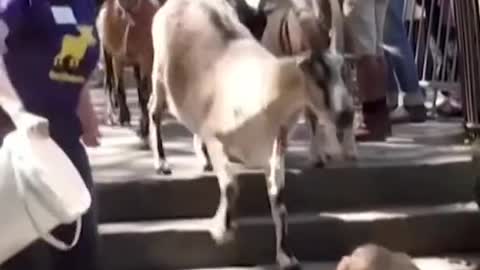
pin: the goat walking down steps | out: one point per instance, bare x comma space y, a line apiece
238, 98
124, 28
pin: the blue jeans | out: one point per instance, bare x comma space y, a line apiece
399, 56
84, 255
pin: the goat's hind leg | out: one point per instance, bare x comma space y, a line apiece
201, 152
155, 106
317, 157
108, 85
222, 229
349, 144
276, 193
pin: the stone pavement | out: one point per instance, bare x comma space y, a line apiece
426, 263
120, 158
411, 193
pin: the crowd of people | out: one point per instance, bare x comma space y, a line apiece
34, 69
397, 70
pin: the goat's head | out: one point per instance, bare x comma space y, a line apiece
329, 98
324, 68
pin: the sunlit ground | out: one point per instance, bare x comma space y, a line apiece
121, 159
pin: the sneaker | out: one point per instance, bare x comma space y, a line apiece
417, 113
450, 108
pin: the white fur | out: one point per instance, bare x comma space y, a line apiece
234, 94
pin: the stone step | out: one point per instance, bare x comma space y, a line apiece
309, 190
446, 262
179, 244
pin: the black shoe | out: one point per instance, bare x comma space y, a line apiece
417, 113
409, 114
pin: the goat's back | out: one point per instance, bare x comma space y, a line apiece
135, 44
220, 81
205, 55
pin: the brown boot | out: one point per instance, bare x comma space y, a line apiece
377, 125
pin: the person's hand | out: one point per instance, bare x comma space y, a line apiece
34, 125
91, 131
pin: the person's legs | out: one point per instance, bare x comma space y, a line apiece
84, 255
401, 59
361, 21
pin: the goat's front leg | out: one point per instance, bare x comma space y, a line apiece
155, 105
349, 144
276, 193
108, 85
124, 115
325, 145
317, 156
222, 229
143, 91
201, 152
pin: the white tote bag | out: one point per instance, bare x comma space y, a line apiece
39, 189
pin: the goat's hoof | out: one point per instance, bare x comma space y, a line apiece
351, 155
144, 144
142, 133
207, 167
221, 235
164, 169
293, 266
125, 123
318, 163
124, 118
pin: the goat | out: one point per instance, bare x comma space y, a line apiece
255, 20
239, 99
287, 33
125, 33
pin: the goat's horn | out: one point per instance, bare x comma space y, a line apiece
337, 41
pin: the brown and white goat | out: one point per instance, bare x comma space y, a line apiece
240, 99
306, 26
125, 32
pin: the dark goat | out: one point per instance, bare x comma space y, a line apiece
124, 30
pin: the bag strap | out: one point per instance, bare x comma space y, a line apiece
20, 178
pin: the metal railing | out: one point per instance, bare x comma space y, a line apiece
445, 35
468, 19
432, 32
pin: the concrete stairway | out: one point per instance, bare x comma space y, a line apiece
413, 194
